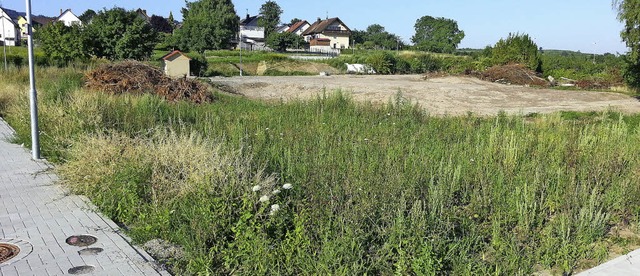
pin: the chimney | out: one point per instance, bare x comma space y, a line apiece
318, 19
60, 11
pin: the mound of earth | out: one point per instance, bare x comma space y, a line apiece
513, 74
137, 77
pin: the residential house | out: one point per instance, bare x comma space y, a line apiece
299, 27
9, 29
36, 21
143, 14
250, 33
176, 64
330, 33
69, 18
282, 28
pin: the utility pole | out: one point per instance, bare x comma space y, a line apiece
33, 100
241, 55
4, 41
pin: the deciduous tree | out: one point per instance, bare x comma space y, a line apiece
63, 44
281, 41
629, 14
87, 16
160, 24
208, 25
440, 35
269, 19
120, 34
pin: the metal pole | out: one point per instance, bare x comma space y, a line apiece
4, 43
33, 100
241, 55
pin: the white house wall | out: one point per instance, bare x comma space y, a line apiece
252, 32
9, 32
337, 41
302, 29
70, 19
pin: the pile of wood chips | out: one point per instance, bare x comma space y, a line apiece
137, 77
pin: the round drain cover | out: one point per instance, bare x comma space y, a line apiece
13, 250
8, 251
90, 251
84, 269
81, 240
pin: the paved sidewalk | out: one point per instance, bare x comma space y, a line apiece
628, 264
39, 215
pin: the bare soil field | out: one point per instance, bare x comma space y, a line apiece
439, 96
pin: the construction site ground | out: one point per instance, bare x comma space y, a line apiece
450, 95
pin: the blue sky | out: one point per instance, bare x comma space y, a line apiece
585, 25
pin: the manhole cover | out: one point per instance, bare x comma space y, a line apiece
90, 251
8, 251
84, 269
13, 250
81, 240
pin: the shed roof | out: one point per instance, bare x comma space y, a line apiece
173, 53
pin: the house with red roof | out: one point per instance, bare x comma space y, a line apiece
299, 27
331, 33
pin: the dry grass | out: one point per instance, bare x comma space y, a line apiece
177, 165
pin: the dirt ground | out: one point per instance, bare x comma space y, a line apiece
439, 96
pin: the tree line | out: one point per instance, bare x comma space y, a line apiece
213, 24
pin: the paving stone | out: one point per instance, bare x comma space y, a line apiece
35, 208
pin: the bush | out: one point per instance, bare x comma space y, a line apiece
517, 48
382, 62
198, 64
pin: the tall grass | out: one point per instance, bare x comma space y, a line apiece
376, 189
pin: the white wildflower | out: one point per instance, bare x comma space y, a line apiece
274, 208
287, 186
275, 192
264, 198
256, 188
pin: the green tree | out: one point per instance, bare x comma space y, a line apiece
269, 17
63, 44
160, 24
376, 37
281, 41
629, 14
172, 21
87, 16
120, 34
440, 35
381, 38
294, 21
517, 48
208, 25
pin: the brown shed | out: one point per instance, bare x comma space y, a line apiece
176, 64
